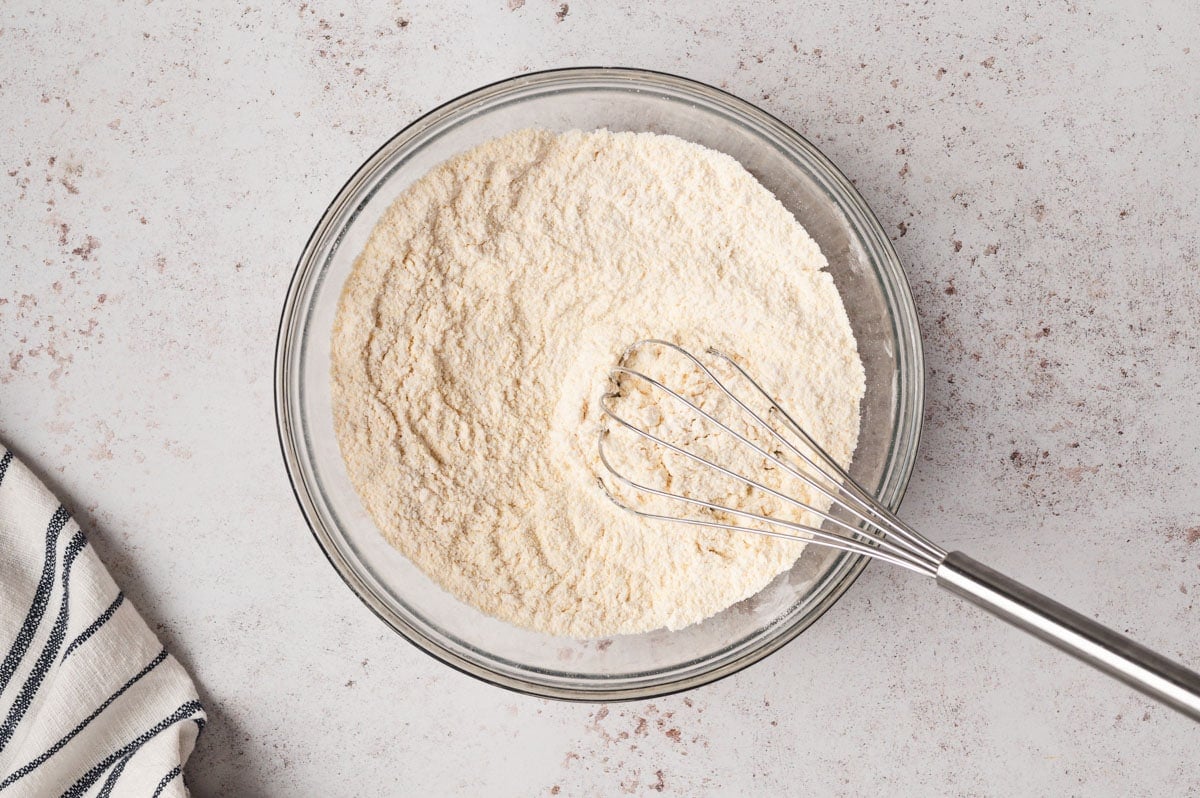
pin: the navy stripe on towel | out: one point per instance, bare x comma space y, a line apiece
96, 624
54, 749
88, 779
4, 461
167, 779
41, 598
111, 781
50, 652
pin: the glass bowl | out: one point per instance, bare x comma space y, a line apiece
863, 265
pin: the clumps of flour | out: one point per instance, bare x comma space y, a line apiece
472, 345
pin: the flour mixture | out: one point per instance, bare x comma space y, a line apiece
473, 340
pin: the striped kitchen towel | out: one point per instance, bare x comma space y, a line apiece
91, 704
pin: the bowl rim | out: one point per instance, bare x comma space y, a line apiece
286, 425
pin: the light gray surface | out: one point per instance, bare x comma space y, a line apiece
162, 167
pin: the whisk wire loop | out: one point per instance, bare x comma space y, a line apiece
899, 553
876, 532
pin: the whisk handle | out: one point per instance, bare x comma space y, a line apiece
1078, 635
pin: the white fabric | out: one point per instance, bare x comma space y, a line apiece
91, 704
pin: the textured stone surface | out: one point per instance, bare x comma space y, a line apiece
160, 169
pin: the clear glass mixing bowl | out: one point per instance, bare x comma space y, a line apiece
863, 265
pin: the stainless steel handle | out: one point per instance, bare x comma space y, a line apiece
1078, 635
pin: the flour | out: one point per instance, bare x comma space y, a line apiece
472, 344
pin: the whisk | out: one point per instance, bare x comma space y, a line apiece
854, 521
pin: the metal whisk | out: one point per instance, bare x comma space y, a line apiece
854, 520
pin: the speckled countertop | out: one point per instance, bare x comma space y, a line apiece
161, 168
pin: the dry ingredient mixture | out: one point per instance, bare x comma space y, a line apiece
471, 349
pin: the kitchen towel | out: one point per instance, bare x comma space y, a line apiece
91, 704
